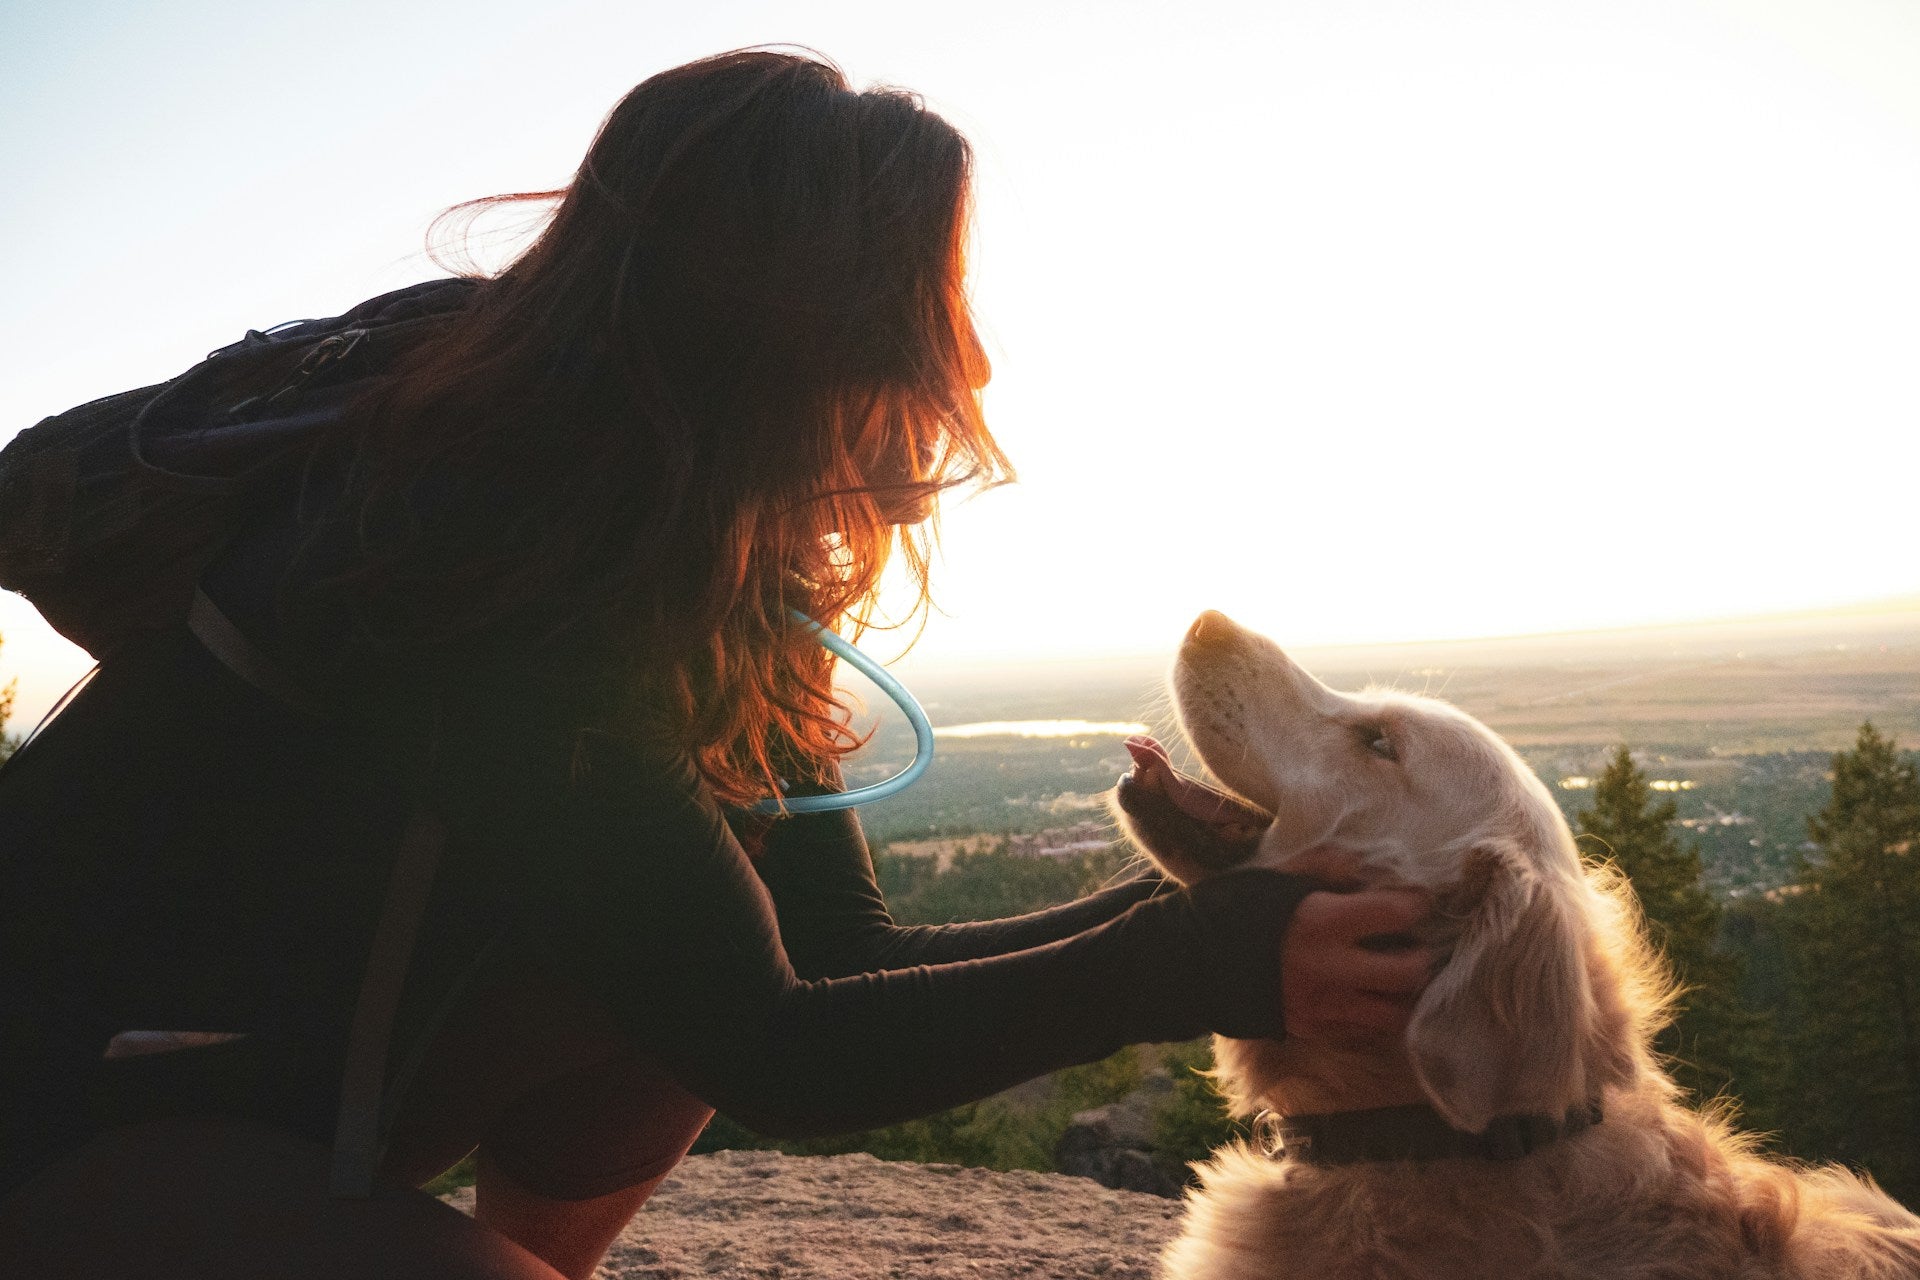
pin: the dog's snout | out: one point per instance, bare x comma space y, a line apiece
1212, 630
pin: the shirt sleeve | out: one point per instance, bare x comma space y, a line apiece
639, 889
834, 919
607, 847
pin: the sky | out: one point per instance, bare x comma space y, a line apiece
1361, 320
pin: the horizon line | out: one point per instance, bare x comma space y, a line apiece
1876, 606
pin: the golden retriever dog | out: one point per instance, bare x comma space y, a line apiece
1523, 1127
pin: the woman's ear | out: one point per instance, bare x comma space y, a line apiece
1509, 1026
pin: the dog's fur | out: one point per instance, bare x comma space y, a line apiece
1548, 998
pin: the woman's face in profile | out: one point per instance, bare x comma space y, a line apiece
904, 461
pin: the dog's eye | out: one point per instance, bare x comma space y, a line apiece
1375, 739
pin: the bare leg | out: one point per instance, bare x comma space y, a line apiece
568, 1165
575, 1128
571, 1236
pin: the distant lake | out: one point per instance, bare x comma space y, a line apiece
1041, 729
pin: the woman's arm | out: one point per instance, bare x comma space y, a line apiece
643, 894
834, 920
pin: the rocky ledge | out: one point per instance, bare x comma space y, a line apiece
739, 1214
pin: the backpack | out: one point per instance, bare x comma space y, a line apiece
111, 511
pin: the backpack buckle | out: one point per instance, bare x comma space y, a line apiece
324, 354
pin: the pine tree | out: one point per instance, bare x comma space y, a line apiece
7, 741
1854, 942
1715, 1047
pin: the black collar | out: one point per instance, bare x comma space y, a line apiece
1418, 1133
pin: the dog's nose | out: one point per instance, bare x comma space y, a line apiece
1211, 629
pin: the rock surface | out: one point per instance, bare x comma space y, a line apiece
739, 1214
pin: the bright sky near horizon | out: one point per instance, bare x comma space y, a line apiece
1358, 319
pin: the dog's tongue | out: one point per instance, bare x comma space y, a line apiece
1153, 768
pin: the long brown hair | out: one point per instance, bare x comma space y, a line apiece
736, 358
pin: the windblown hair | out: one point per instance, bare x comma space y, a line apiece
734, 367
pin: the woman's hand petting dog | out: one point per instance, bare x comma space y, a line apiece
1352, 967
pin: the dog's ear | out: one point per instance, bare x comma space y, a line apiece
1510, 1025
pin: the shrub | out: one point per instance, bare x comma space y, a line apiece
1196, 1120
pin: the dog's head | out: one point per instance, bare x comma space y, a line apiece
1531, 1013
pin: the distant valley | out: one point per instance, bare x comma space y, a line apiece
1736, 720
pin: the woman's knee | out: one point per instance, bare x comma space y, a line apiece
535, 1073
592, 1133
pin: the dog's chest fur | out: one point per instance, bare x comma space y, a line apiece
1656, 1198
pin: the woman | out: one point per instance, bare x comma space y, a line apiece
541, 577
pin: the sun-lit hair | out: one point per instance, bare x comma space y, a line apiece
735, 366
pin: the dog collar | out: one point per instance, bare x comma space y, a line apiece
1417, 1132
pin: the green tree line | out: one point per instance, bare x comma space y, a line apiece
1799, 1007
7, 741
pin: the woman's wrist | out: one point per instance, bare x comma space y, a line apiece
1233, 928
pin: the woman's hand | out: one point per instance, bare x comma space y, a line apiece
1352, 966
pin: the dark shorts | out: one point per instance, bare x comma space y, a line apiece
525, 1069
531, 1072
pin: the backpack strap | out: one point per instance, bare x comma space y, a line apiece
356, 1134
223, 640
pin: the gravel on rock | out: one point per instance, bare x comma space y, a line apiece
760, 1215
